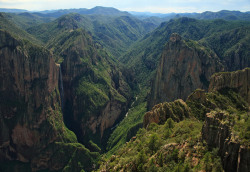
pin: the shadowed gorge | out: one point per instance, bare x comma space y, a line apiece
96, 92
32, 128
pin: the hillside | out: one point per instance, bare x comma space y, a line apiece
6, 24
98, 10
158, 18
26, 20
144, 56
115, 34
175, 138
192, 62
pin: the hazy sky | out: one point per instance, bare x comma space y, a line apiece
161, 6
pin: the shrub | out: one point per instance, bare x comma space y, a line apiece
169, 123
153, 143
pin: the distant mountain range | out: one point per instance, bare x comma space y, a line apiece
6, 10
223, 14
60, 12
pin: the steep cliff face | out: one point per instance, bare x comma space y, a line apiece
28, 93
96, 93
184, 67
217, 132
29, 79
31, 123
239, 80
225, 112
220, 128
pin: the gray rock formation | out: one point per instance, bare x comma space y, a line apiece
184, 67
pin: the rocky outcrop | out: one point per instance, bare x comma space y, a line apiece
31, 122
177, 110
217, 129
225, 112
217, 133
239, 80
184, 67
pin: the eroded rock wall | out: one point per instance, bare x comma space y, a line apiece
184, 67
31, 122
239, 80
218, 134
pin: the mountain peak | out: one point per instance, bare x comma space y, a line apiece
175, 37
70, 21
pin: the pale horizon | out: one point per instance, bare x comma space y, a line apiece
151, 6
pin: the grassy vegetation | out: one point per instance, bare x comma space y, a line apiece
175, 147
119, 136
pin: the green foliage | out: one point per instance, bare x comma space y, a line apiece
115, 33
152, 167
169, 124
94, 93
153, 126
173, 156
7, 25
74, 155
26, 20
167, 147
153, 143
227, 44
96, 79
153, 151
93, 147
141, 160
118, 137
198, 109
143, 57
211, 162
242, 127
225, 99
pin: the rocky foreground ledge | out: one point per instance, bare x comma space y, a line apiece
225, 111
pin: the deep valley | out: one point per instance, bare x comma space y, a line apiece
107, 90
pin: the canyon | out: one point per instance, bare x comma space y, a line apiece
117, 92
